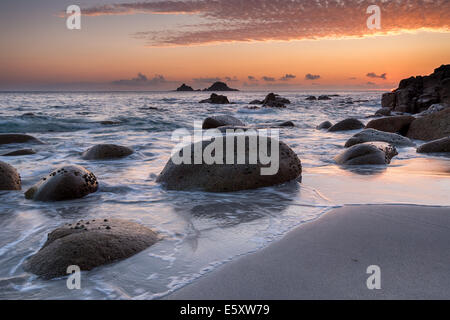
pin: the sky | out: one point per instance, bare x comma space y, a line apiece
249, 44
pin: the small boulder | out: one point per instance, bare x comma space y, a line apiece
216, 99
220, 121
275, 101
324, 97
346, 125
222, 177
18, 138
324, 125
369, 135
370, 153
89, 244
256, 102
441, 145
383, 112
431, 127
106, 151
397, 124
22, 152
9, 177
287, 124
65, 183
311, 98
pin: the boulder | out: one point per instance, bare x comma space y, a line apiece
396, 124
106, 151
89, 244
66, 183
272, 97
370, 135
220, 86
347, 124
184, 87
311, 98
324, 97
370, 153
434, 108
216, 99
324, 125
9, 138
22, 152
256, 102
287, 124
217, 177
441, 145
417, 94
383, 112
9, 177
431, 127
220, 121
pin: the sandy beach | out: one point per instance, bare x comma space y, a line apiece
328, 259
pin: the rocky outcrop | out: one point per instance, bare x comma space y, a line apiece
220, 121
89, 244
275, 101
65, 183
217, 177
9, 177
220, 86
346, 125
10, 138
370, 135
397, 124
216, 99
324, 125
22, 152
431, 127
370, 153
184, 87
417, 94
441, 145
106, 151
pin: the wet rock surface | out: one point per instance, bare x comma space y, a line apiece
9, 177
347, 125
106, 151
370, 135
370, 153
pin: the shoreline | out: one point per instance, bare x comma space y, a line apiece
328, 259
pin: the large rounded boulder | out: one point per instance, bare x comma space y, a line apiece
9, 177
397, 124
371, 153
220, 121
440, 145
369, 135
89, 244
106, 151
225, 173
346, 125
431, 127
65, 183
9, 138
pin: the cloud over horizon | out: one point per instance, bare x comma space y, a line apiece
263, 20
310, 76
141, 80
374, 75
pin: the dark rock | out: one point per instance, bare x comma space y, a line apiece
441, 145
311, 98
370, 135
184, 87
18, 138
65, 183
431, 127
88, 247
220, 121
324, 97
9, 177
287, 124
220, 86
229, 177
216, 99
434, 108
417, 94
346, 125
23, 152
110, 123
371, 153
383, 112
256, 102
273, 99
324, 125
397, 124
106, 151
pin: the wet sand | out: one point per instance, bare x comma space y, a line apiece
328, 259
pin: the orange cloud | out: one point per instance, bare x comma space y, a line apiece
263, 20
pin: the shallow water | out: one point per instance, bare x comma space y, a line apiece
201, 230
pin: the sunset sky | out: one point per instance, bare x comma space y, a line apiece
250, 44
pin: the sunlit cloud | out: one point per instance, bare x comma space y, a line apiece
288, 77
310, 76
268, 79
263, 20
